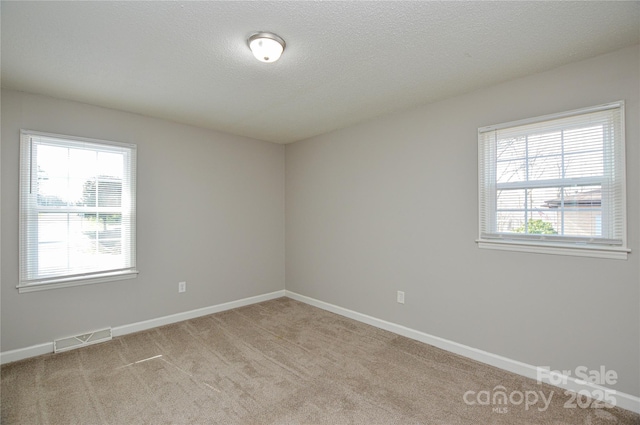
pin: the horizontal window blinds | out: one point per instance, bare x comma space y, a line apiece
556, 179
77, 208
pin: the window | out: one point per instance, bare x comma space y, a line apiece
77, 211
555, 184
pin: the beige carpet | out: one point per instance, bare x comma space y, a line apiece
278, 362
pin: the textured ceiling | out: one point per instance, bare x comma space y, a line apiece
345, 62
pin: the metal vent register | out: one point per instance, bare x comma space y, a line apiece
83, 340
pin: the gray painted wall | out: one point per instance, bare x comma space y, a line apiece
210, 211
384, 206
392, 205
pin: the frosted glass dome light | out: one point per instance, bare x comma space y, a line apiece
266, 47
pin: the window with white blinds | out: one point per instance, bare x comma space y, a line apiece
555, 183
77, 211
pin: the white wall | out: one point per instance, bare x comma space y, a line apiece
210, 211
392, 205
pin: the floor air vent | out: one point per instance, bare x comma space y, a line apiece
83, 340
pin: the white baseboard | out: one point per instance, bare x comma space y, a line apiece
25, 353
179, 317
46, 348
623, 400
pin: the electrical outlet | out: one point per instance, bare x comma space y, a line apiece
400, 297
182, 287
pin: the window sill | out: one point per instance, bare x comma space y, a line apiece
57, 283
614, 253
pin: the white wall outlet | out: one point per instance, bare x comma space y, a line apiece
182, 286
400, 297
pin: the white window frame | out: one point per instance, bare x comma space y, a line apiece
490, 238
28, 280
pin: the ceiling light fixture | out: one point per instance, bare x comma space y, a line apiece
266, 46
